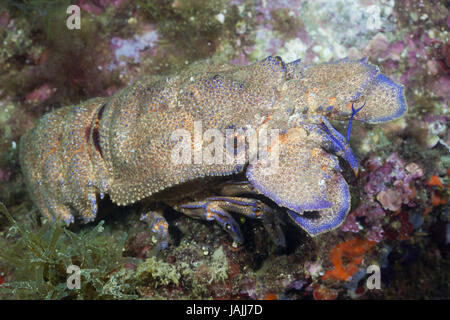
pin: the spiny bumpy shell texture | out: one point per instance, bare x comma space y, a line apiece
136, 128
122, 145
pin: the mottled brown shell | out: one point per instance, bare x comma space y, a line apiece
121, 146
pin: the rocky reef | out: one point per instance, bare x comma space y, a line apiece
399, 223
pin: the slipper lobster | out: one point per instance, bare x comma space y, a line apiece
124, 146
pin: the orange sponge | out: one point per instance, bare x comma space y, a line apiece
346, 258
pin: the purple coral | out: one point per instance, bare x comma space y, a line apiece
96, 7
392, 176
132, 48
373, 216
388, 186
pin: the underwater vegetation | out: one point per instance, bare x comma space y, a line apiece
398, 209
40, 257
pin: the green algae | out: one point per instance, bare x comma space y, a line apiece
198, 275
219, 264
157, 272
39, 257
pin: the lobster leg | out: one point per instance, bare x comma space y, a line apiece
159, 227
234, 188
218, 208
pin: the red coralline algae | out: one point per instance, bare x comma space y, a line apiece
4, 19
392, 172
444, 62
40, 94
98, 6
389, 185
346, 258
390, 199
373, 216
400, 227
